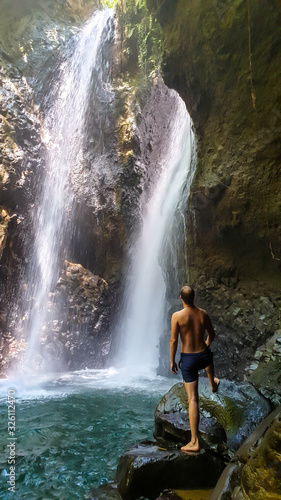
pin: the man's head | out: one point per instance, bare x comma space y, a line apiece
187, 295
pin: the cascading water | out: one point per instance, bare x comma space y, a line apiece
143, 316
63, 136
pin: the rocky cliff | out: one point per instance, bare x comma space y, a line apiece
119, 163
222, 58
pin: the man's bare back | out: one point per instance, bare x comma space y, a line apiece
191, 323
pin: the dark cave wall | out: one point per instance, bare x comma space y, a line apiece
223, 59
232, 91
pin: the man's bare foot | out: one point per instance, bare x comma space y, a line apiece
216, 384
191, 446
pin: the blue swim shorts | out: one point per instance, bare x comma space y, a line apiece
191, 363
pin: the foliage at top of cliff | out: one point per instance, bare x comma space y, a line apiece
141, 39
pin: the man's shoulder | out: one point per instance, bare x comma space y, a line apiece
201, 309
176, 314
203, 312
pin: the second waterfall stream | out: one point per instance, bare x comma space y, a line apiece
143, 314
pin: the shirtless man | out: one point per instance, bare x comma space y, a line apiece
191, 323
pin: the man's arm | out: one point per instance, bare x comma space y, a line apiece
210, 330
174, 343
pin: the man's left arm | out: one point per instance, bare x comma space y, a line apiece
174, 343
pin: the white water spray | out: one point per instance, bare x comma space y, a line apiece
143, 316
63, 136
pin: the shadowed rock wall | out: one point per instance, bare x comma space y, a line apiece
222, 57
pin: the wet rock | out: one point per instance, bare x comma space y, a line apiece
105, 492
146, 470
4, 221
77, 333
254, 472
264, 373
168, 495
81, 308
229, 415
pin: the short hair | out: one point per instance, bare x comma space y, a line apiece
187, 295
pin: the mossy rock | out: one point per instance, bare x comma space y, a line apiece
261, 476
255, 470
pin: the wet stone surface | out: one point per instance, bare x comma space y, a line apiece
146, 470
105, 492
264, 372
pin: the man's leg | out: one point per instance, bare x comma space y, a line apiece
193, 412
214, 381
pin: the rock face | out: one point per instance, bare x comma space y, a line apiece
254, 472
21, 148
222, 59
146, 470
76, 334
243, 320
228, 415
264, 372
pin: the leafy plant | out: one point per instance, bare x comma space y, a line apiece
109, 3
141, 36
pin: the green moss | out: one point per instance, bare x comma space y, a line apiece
228, 413
261, 475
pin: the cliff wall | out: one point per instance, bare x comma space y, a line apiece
222, 57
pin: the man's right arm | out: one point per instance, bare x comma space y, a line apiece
210, 330
174, 343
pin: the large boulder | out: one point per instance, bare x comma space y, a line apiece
229, 415
146, 470
76, 333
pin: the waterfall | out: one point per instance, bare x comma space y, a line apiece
63, 136
143, 313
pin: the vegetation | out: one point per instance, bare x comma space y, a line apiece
141, 38
140, 49
109, 3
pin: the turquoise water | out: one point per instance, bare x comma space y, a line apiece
71, 431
